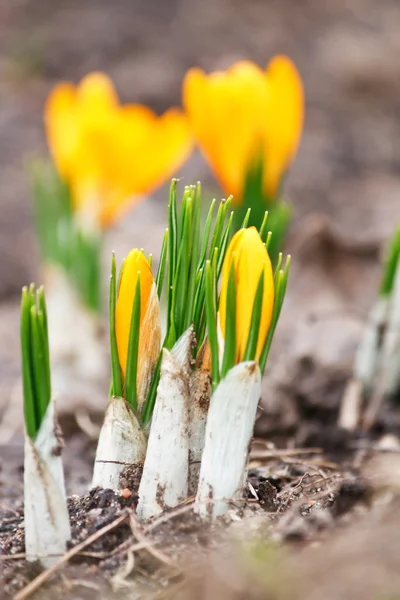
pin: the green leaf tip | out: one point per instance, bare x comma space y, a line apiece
35, 359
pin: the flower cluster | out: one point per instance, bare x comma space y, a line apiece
223, 302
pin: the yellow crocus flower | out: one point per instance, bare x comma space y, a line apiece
244, 115
249, 257
111, 154
150, 326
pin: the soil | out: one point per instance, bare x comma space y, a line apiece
322, 510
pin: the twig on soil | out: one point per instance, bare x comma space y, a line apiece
168, 516
119, 579
69, 584
12, 556
137, 531
36, 583
278, 453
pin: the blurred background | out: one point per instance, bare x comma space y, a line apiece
344, 184
344, 187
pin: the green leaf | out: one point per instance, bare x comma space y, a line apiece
224, 245
390, 265
230, 325
206, 235
268, 240
219, 223
38, 362
252, 340
246, 219
115, 365
194, 257
263, 229
172, 248
41, 300
211, 315
31, 418
133, 350
280, 284
162, 264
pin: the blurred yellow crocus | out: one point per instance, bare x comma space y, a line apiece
111, 154
249, 257
244, 115
135, 265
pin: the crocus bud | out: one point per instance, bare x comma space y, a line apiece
249, 258
137, 266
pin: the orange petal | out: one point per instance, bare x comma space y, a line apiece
284, 120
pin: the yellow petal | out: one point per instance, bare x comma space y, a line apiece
226, 110
111, 155
244, 114
59, 115
134, 263
147, 149
96, 95
284, 120
250, 258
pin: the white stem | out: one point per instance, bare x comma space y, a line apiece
351, 405
165, 474
47, 527
229, 430
368, 353
75, 333
122, 442
200, 393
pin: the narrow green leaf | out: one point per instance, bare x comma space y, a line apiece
172, 248
133, 350
224, 245
246, 219
390, 266
43, 340
230, 325
206, 235
161, 265
182, 275
194, 257
39, 374
44, 324
268, 239
31, 420
211, 315
263, 229
219, 224
254, 332
115, 366
280, 279
279, 263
